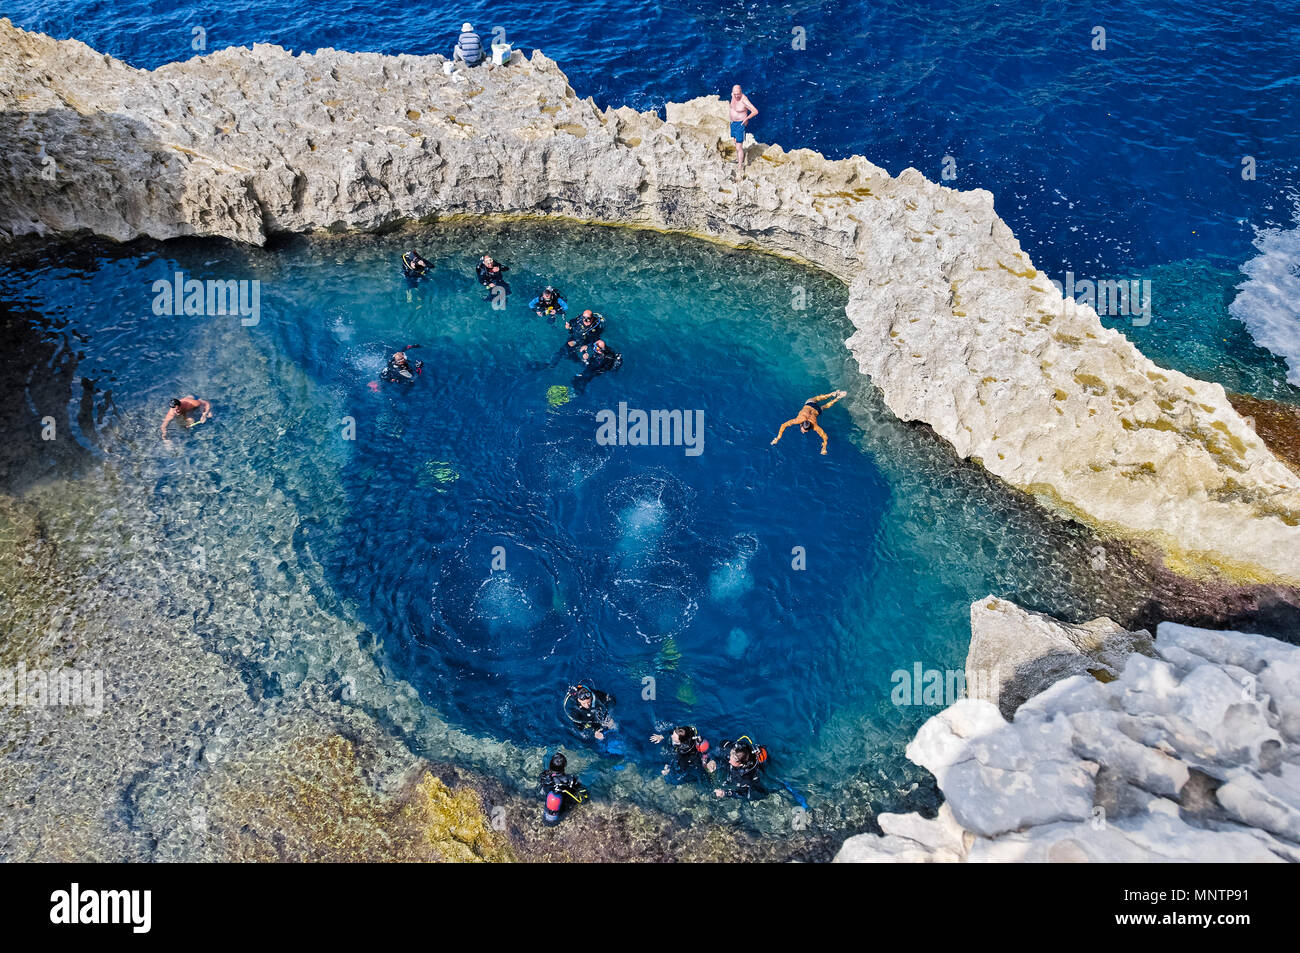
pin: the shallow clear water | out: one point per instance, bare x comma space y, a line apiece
621, 563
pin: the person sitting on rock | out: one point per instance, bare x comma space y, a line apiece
690, 760
469, 48
807, 419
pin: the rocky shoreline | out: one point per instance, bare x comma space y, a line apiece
1100, 745
954, 324
955, 328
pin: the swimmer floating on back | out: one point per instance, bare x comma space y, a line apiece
807, 419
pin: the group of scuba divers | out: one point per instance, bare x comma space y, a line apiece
588, 708
585, 343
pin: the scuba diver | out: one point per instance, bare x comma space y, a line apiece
561, 790
413, 266
585, 329
598, 358
690, 760
549, 304
743, 762
491, 273
807, 419
401, 370
588, 709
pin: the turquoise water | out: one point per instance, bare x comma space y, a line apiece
621, 563
1196, 326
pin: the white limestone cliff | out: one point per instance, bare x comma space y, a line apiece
1190, 754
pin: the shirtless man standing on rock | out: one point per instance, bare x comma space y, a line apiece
741, 111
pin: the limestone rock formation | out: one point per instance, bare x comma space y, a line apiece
954, 324
1190, 754
1017, 653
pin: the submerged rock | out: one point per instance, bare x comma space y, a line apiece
954, 323
310, 800
1189, 754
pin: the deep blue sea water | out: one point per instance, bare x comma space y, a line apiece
1122, 162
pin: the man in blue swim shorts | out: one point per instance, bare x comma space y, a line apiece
741, 112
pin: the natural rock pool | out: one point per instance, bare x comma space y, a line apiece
329, 528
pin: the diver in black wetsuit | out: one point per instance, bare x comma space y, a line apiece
491, 273
597, 359
585, 329
550, 304
741, 779
400, 370
562, 791
588, 709
413, 266
690, 760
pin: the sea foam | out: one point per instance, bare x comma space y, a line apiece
1268, 303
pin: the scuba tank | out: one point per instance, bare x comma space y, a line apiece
551, 812
554, 805
693, 742
413, 266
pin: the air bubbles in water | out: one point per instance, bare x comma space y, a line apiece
732, 577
